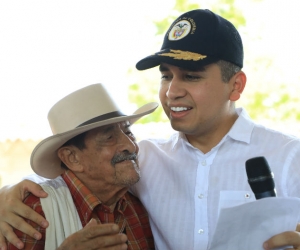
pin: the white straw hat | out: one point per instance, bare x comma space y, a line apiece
78, 112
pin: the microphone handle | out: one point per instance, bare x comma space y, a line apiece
270, 193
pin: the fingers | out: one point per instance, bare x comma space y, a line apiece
291, 238
7, 232
18, 209
113, 242
106, 236
101, 236
93, 231
22, 226
12, 206
3, 245
25, 187
92, 222
12, 210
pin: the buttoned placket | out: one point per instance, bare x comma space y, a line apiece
201, 201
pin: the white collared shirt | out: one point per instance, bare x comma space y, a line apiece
183, 189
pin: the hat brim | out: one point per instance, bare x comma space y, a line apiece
156, 59
44, 160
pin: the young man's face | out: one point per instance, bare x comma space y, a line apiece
196, 102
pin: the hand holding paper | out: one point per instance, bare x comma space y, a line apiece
248, 226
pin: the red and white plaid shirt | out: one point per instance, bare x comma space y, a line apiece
129, 214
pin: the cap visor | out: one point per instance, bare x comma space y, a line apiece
155, 60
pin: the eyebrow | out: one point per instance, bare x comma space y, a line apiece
110, 127
164, 68
107, 128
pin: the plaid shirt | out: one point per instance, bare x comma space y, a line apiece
129, 214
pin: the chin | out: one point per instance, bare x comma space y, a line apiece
131, 180
178, 127
129, 177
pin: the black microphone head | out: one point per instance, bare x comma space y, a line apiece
260, 176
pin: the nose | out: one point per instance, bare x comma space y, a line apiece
175, 89
127, 143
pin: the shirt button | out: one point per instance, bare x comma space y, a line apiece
200, 231
200, 196
203, 163
247, 196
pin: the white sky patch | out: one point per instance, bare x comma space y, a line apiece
51, 48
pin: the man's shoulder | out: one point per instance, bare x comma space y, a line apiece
32, 199
34, 202
266, 129
280, 143
160, 142
275, 133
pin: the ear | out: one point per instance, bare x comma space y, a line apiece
238, 85
70, 156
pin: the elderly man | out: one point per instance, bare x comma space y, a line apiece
94, 154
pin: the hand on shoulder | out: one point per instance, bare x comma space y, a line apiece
12, 209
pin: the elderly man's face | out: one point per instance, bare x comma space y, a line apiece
110, 156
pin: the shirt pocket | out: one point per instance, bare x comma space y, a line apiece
231, 198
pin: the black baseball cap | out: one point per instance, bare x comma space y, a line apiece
195, 39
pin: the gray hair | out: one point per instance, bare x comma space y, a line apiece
228, 70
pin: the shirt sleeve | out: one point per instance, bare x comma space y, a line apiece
29, 242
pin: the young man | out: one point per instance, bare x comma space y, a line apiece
94, 154
200, 169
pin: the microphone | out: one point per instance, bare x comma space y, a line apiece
260, 177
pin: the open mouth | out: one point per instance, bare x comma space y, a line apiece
180, 109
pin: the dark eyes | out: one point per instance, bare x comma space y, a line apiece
188, 77
192, 77
128, 133
164, 77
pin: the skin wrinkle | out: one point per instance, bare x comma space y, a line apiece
126, 156
113, 149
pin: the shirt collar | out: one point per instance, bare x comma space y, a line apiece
242, 128
83, 198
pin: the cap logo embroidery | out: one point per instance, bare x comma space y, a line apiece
180, 30
184, 55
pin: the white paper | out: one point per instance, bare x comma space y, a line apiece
248, 226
